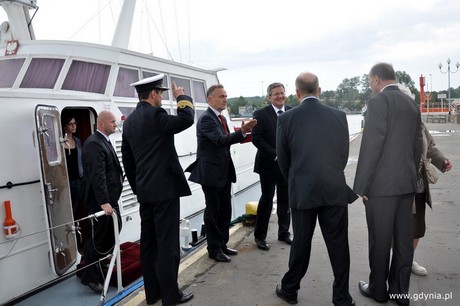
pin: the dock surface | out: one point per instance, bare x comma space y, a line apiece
251, 277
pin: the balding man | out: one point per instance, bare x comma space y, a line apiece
102, 185
312, 146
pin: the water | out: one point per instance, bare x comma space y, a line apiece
354, 124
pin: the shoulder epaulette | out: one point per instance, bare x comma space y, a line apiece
185, 103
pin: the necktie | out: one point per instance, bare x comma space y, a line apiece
111, 147
280, 112
224, 125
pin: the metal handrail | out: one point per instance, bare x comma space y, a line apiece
115, 256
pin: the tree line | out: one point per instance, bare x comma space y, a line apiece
351, 95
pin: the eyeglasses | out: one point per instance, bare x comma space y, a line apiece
72, 123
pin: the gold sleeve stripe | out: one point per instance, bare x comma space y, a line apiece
185, 103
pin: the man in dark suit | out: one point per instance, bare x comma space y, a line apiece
264, 138
312, 146
102, 185
156, 177
214, 170
385, 178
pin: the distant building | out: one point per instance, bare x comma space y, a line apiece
246, 111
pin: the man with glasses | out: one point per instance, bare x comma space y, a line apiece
266, 165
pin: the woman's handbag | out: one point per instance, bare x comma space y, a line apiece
430, 170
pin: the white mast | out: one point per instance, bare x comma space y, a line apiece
125, 22
18, 26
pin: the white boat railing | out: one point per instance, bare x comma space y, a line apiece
116, 256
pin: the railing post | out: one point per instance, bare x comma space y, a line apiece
115, 256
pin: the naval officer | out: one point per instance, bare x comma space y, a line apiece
156, 177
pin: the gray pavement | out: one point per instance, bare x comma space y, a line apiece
250, 278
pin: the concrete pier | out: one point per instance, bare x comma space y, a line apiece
251, 277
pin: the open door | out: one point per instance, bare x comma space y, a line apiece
56, 188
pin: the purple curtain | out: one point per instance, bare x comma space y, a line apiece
9, 70
42, 73
85, 76
183, 83
199, 92
126, 77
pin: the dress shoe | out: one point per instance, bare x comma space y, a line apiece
289, 298
364, 289
96, 287
262, 244
400, 302
418, 269
230, 252
221, 257
286, 239
185, 297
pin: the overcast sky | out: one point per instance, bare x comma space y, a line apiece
265, 41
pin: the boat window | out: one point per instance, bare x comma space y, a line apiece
147, 74
86, 76
180, 82
126, 77
42, 73
52, 145
13, 66
126, 111
199, 91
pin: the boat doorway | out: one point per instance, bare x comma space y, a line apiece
85, 119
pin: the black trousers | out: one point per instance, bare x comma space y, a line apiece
265, 206
418, 219
217, 216
160, 253
389, 223
333, 221
75, 194
98, 245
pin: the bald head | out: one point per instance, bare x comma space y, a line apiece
307, 84
106, 122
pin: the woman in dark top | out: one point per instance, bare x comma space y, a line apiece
73, 157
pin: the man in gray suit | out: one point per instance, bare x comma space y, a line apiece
312, 145
386, 180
